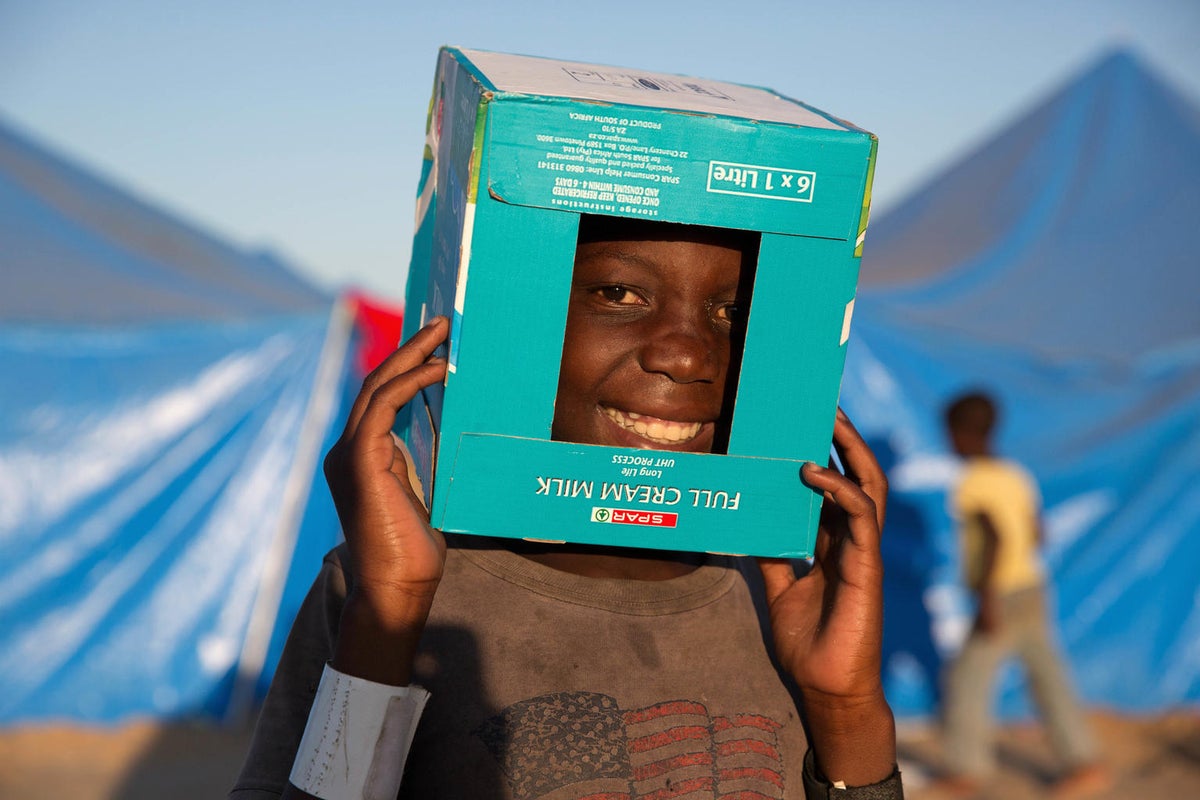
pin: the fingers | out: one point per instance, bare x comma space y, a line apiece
415, 354
860, 464
385, 402
860, 509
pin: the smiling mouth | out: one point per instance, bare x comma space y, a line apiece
659, 431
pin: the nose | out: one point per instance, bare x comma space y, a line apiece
687, 348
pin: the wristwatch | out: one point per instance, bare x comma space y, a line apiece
816, 788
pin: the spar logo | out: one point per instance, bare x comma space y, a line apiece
630, 516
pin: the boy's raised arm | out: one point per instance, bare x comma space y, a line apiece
828, 625
395, 557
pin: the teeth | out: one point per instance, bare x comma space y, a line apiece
661, 431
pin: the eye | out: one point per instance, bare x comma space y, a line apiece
728, 313
619, 295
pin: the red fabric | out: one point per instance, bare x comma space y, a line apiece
377, 323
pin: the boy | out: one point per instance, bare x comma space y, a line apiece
998, 507
560, 671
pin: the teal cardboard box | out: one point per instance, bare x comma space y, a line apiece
517, 149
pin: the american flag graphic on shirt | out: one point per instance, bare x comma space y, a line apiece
583, 746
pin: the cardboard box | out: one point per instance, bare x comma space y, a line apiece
517, 149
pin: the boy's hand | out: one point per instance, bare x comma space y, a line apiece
396, 558
987, 617
828, 625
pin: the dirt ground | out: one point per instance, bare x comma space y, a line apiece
1151, 758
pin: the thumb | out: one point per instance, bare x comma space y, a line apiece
778, 576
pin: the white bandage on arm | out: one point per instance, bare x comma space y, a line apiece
357, 738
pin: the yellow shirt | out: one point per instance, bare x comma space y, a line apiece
1008, 495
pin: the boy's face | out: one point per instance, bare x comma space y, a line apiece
647, 349
967, 442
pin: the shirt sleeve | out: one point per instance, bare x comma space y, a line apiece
970, 496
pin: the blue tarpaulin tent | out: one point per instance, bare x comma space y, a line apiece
164, 401
1053, 266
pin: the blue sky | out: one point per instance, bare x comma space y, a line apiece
297, 126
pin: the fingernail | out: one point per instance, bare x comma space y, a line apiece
805, 466
841, 414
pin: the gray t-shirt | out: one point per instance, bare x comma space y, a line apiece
552, 686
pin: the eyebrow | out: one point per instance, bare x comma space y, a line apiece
614, 250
